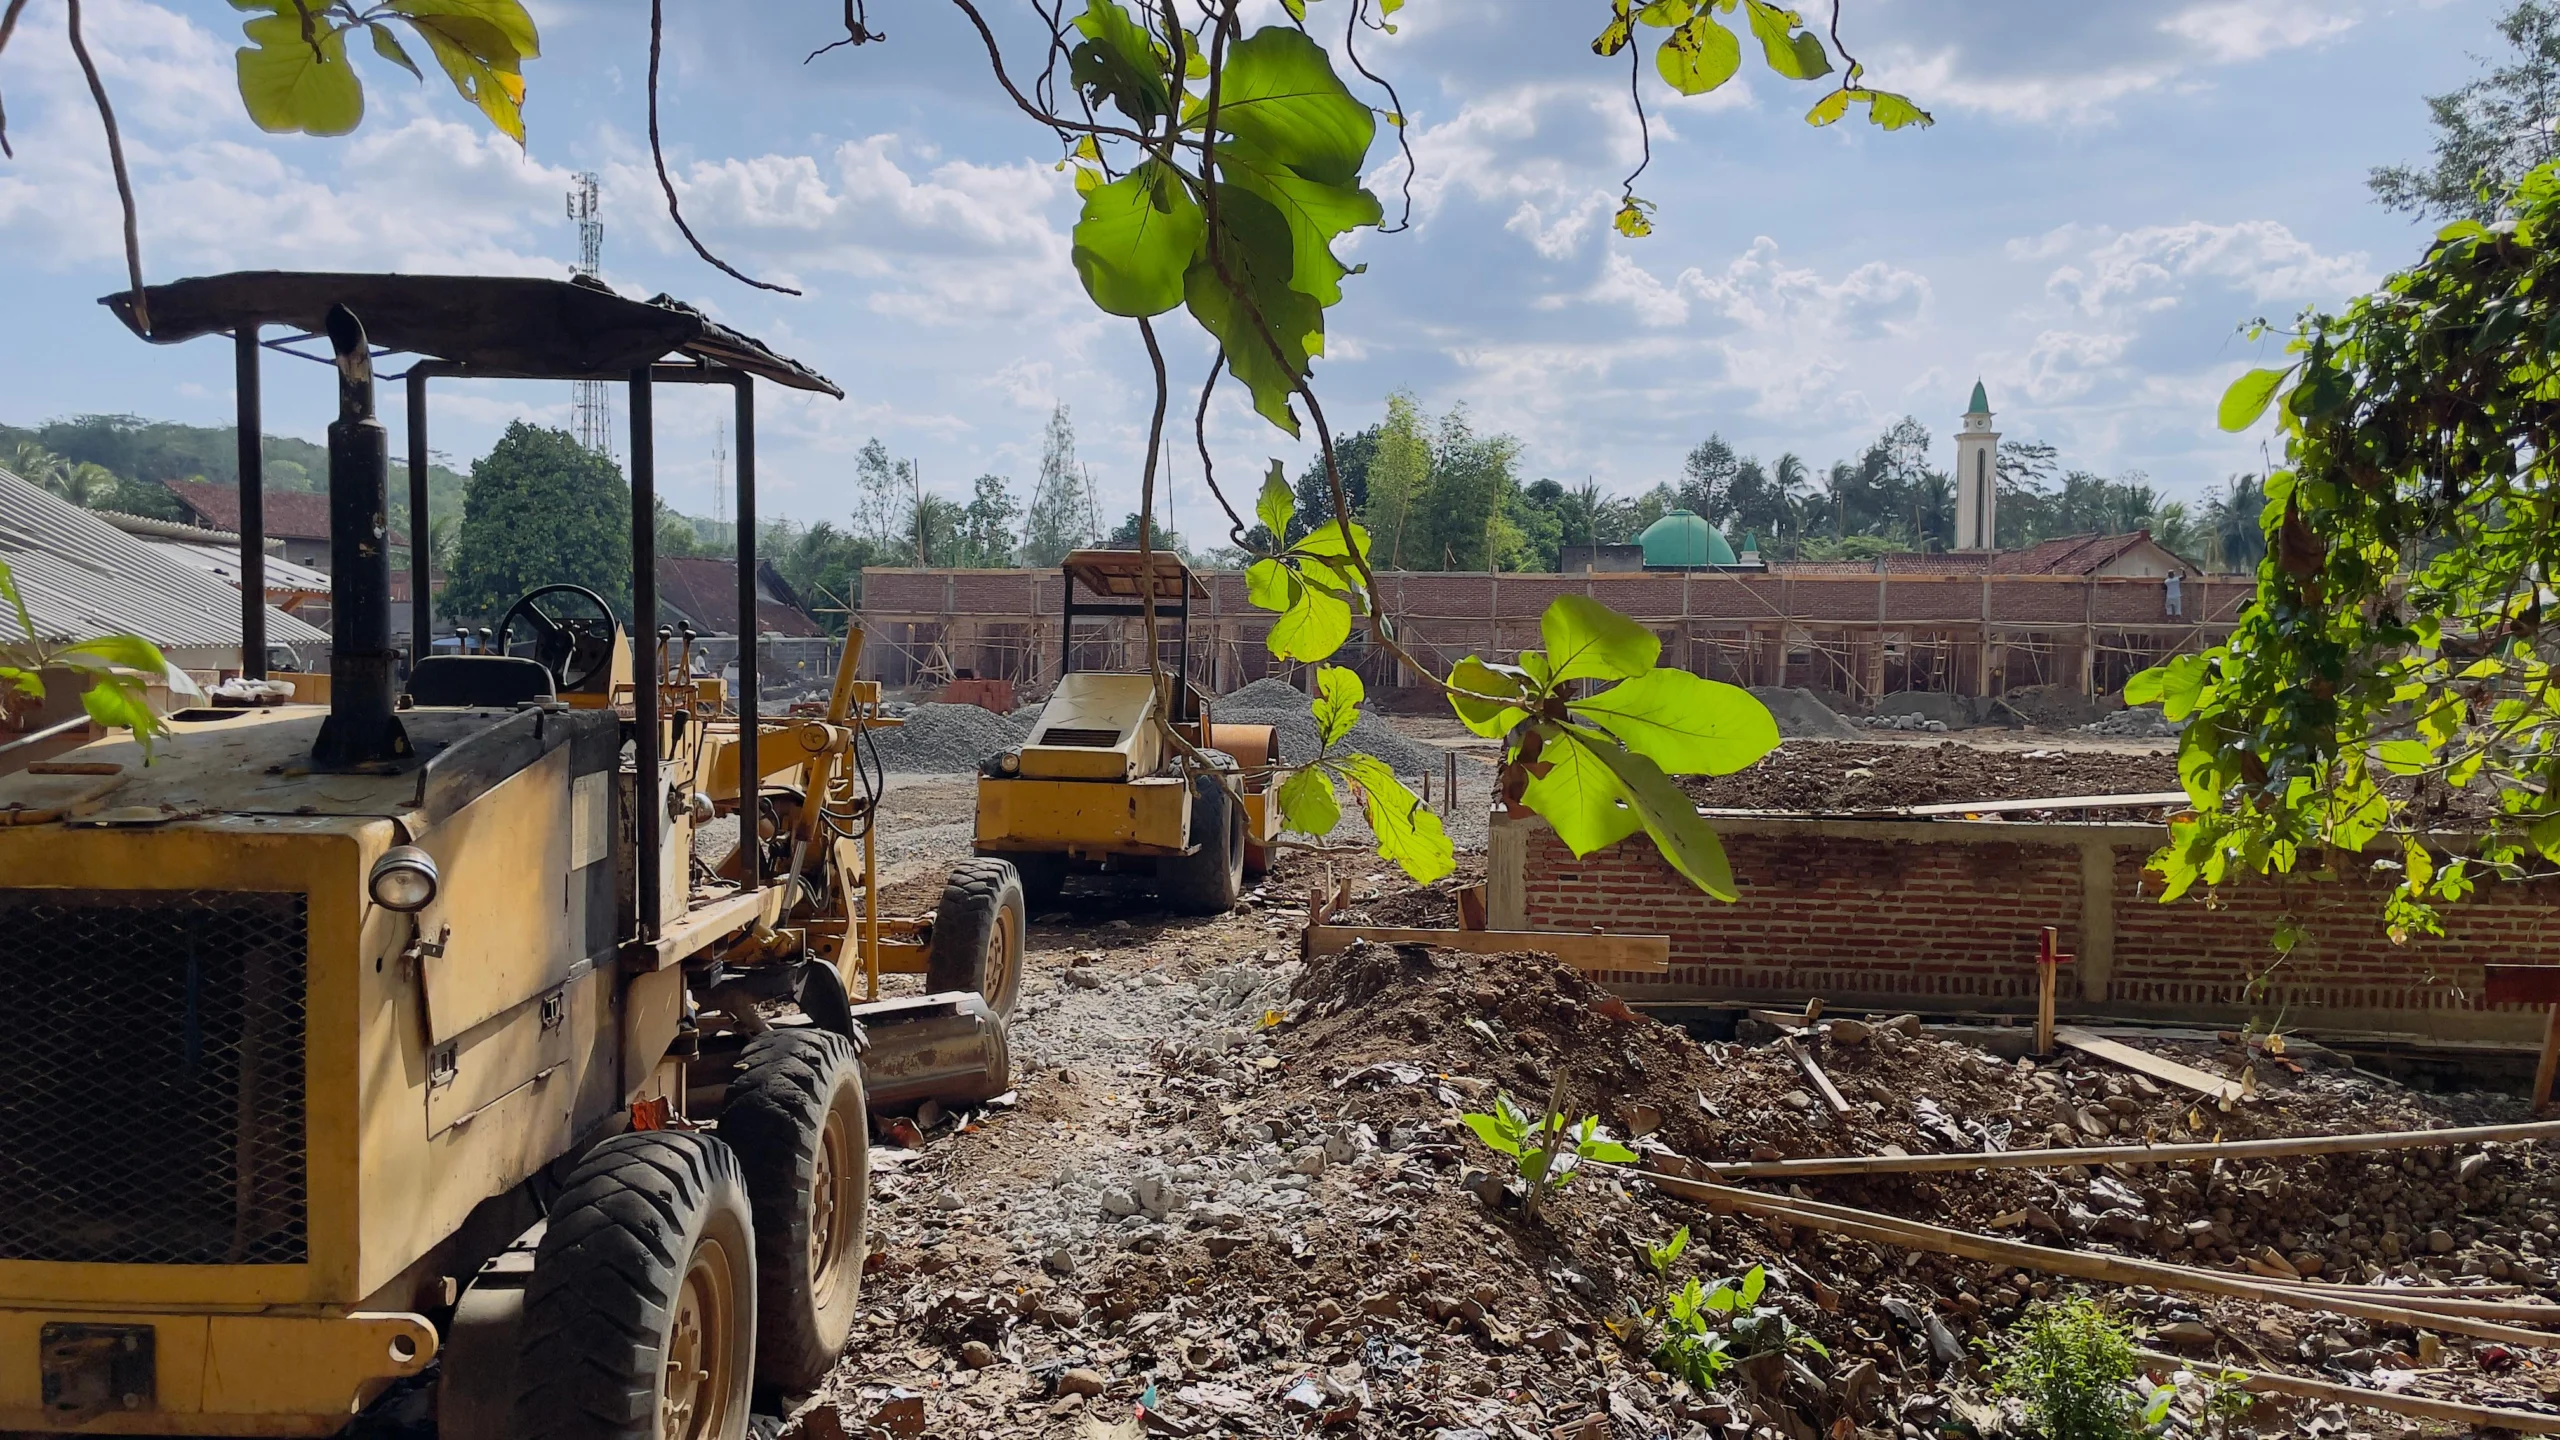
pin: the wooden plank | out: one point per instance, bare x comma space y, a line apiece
1903, 1234
2260, 1383
2116, 1053
2059, 802
2548, 1068
2507, 984
1822, 1085
2130, 1154
1599, 954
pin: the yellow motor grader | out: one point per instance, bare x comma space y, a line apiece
405, 1043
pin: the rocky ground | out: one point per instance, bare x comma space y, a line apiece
1232, 1195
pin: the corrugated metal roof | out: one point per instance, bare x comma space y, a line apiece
82, 577
222, 562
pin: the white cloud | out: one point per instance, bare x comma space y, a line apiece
1757, 291
2239, 30
2151, 268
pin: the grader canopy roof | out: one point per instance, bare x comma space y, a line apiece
535, 328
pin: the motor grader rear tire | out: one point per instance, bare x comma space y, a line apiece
796, 1120
640, 1323
1209, 879
978, 933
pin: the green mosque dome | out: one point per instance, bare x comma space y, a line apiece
1682, 539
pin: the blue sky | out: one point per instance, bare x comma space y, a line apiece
2110, 192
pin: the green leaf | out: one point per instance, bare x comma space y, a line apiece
480, 54
1271, 585
1699, 56
1579, 796
9, 592
118, 702
1117, 62
387, 45
1408, 833
2248, 398
130, 651
1312, 627
499, 32
1334, 540
1587, 640
1337, 703
1256, 247
1887, 110
1493, 721
1686, 724
1308, 804
1277, 505
2183, 686
1316, 212
2405, 757
1279, 93
1665, 14
1670, 817
1136, 239
1613, 37
291, 85
2145, 687
1634, 218
1609, 1151
1490, 1130
1796, 54
1754, 1284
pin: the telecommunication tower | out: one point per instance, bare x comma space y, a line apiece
591, 403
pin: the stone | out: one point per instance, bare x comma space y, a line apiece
1059, 1261
1119, 1204
1851, 1032
977, 1354
1307, 1160
1796, 1100
2440, 1241
1081, 1381
2186, 1332
1907, 1024
2470, 1168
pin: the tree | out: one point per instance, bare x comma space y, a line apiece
1399, 476
1352, 456
2395, 647
1061, 516
1707, 480
542, 510
884, 496
2234, 541
936, 531
2490, 132
822, 563
1124, 536
986, 530
1459, 526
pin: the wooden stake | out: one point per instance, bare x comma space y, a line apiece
1830, 1093
2549, 1068
2529, 1421
2111, 1269
2128, 1154
2049, 960
2532, 985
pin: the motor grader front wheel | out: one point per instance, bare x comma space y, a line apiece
978, 932
796, 1120
640, 1322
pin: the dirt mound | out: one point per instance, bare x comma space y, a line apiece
2052, 707
1802, 715
1840, 777
945, 739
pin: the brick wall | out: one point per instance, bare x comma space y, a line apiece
1944, 916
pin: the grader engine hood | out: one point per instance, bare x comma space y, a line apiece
1096, 727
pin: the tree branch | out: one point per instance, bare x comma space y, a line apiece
8, 27
115, 158
857, 31
658, 155
1404, 141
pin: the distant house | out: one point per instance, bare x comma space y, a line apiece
702, 591
299, 518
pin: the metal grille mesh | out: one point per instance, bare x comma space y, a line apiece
153, 1112
1081, 739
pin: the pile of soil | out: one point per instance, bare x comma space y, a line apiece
1803, 714
1831, 778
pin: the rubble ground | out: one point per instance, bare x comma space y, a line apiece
1233, 1196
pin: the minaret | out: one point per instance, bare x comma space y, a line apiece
1977, 476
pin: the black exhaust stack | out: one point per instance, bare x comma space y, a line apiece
361, 731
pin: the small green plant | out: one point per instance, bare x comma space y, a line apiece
1705, 1330
2069, 1362
114, 664
1546, 1151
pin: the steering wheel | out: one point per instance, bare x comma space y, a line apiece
574, 647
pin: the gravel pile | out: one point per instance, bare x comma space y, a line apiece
1279, 703
1905, 721
1801, 715
946, 739
2139, 723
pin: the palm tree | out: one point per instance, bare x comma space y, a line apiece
88, 485
37, 466
2233, 539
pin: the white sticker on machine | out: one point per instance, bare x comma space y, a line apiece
589, 836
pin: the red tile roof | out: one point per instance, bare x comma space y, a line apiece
291, 514
703, 589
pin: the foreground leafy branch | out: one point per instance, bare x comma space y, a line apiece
2395, 651
116, 667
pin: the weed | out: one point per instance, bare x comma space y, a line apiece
2069, 1364
1547, 1151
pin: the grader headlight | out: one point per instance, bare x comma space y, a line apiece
404, 878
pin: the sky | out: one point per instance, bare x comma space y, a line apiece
2111, 192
